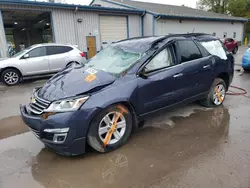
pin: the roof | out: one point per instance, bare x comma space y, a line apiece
138, 44
143, 44
69, 6
172, 11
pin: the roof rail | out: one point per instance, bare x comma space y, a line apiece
178, 35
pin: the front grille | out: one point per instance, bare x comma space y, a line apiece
38, 105
36, 132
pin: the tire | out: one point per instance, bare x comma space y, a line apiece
210, 100
235, 50
14, 74
97, 140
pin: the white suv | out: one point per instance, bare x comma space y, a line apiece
39, 61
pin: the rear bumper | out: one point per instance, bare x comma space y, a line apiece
73, 145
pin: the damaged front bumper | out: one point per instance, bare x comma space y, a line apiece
57, 132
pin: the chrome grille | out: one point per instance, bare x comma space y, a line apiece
38, 105
36, 132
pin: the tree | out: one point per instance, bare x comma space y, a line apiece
218, 6
240, 8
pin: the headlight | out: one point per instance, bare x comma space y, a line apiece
66, 105
32, 97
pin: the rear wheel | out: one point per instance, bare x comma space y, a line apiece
216, 95
10, 77
110, 129
235, 50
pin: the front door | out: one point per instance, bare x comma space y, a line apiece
91, 42
163, 82
35, 62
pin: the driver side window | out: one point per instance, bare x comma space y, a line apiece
162, 60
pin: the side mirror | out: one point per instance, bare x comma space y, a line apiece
26, 56
143, 74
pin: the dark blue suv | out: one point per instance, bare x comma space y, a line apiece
101, 102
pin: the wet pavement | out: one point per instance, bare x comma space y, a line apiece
186, 147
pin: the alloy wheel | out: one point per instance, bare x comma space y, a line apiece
219, 94
11, 78
106, 125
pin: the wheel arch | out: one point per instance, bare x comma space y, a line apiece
72, 61
128, 105
224, 76
6, 68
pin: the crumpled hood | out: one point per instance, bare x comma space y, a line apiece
75, 81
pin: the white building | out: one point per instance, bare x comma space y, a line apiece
24, 23
161, 19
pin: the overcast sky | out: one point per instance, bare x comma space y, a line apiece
190, 3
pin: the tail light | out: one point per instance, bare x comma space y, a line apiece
82, 54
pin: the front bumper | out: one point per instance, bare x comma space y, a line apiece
73, 145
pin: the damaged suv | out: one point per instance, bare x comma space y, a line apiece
101, 102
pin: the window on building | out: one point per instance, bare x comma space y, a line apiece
53, 50
234, 35
162, 60
188, 51
38, 52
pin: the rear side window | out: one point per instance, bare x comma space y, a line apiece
215, 48
188, 51
203, 51
53, 50
37, 52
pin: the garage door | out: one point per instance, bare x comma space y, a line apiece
113, 28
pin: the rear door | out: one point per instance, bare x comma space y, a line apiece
197, 67
58, 57
36, 63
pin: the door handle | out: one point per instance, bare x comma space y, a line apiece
178, 75
206, 66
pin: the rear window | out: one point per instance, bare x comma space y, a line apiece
215, 48
53, 50
188, 51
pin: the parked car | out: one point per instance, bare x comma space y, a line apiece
99, 103
246, 60
39, 61
231, 45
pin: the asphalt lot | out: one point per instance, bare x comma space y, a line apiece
187, 147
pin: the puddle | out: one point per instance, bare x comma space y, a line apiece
165, 153
12, 126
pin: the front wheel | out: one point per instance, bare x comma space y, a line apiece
10, 77
216, 95
110, 129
